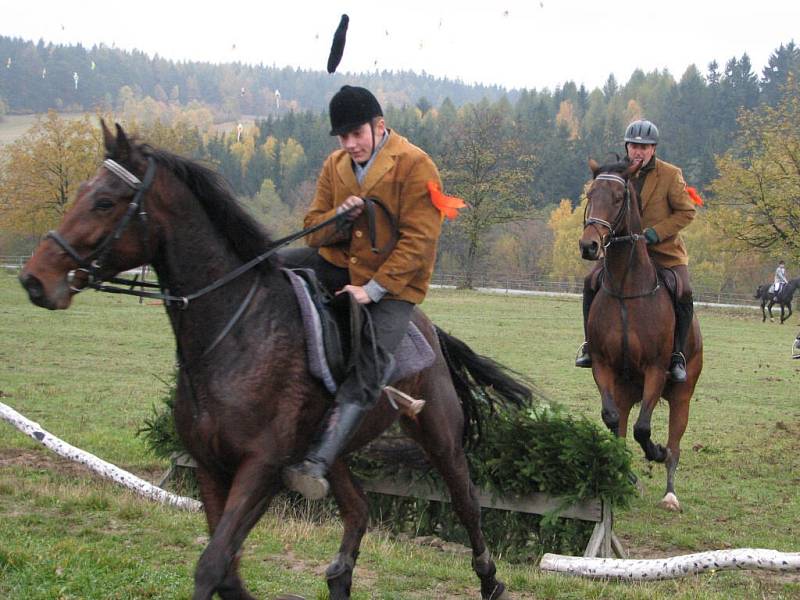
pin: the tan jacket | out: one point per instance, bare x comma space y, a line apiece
667, 208
398, 177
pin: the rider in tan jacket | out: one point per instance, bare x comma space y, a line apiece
383, 255
666, 209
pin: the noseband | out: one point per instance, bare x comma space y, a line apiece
92, 263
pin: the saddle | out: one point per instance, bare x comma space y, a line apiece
332, 329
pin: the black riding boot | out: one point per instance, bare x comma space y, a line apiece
308, 477
584, 359
684, 312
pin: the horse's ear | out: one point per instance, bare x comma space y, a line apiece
109, 140
594, 166
123, 150
633, 168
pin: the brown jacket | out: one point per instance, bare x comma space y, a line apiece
398, 177
667, 208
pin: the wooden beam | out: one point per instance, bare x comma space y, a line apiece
537, 503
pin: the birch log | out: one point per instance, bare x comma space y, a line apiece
103, 468
672, 567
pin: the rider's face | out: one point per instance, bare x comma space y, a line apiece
358, 143
641, 152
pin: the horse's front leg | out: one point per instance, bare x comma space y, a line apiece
769, 308
654, 379
249, 495
763, 311
214, 494
604, 378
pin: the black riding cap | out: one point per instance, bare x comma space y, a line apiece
351, 107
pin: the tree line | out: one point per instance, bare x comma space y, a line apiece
519, 161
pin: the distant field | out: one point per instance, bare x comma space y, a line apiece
13, 127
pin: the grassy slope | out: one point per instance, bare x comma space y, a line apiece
91, 375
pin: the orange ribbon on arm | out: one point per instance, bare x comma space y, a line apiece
694, 196
447, 205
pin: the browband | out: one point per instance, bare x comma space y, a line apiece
123, 173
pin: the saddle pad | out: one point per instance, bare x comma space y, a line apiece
412, 355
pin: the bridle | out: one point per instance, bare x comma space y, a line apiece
92, 263
611, 238
622, 213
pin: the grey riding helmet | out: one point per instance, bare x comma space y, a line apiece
641, 132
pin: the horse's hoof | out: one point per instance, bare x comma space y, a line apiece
670, 502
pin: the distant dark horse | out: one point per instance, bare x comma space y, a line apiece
632, 322
246, 405
784, 299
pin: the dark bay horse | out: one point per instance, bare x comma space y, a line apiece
246, 405
632, 322
783, 299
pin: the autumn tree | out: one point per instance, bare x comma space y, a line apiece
567, 227
758, 189
483, 164
40, 172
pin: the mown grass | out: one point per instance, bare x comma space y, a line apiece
92, 374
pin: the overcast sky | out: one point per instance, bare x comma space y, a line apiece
513, 43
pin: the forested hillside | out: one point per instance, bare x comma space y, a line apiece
519, 158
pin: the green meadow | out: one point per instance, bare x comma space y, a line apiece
91, 376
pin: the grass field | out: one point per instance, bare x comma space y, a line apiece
13, 127
91, 375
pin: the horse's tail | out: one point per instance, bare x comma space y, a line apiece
481, 384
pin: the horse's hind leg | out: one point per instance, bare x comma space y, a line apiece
440, 436
678, 418
231, 511
353, 509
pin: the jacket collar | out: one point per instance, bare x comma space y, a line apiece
651, 180
384, 160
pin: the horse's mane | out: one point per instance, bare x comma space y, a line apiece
615, 167
247, 237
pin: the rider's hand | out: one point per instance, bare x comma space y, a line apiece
651, 236
357, 292
354, 202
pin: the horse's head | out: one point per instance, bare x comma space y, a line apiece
105, 231
608, 209
760, 291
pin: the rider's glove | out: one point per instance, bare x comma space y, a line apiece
651, 236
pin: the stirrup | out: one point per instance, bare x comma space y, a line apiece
583, 359
307, 478
677, 367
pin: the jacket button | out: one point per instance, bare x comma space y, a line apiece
354, 259
359, 233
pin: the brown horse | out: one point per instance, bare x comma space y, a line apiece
246, 405
632, 321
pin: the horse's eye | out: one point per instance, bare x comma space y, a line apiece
103, 204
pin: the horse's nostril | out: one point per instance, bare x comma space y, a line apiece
32, 285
